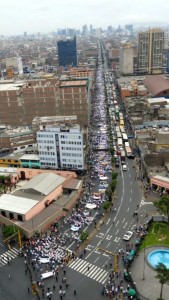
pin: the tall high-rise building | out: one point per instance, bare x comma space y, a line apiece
85, 30
126, 59
67, 52
150, 51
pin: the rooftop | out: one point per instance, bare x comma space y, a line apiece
156, 100
19, 205
11, 86
69, 83
16, 132
29, 157
43, 183
156, 84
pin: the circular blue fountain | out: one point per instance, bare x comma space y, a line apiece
158, 256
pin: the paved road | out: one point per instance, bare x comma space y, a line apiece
89, 274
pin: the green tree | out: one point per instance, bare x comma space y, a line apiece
106, 205
84, 236
163, 205
114, 175
7, 231
109, 194
112, 160
163, 276
112, 151
113, 185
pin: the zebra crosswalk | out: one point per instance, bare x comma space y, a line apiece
89, 270
8, 256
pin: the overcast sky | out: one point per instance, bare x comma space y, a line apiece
34, 16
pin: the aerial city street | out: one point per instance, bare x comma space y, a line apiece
84, 154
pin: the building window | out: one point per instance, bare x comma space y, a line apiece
3, 213
11, 216
20, 218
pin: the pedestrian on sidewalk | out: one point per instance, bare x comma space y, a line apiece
74, 293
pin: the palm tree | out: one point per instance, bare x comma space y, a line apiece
162, 275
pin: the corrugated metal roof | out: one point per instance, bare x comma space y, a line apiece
16, 204
44, 183
72, 184
156, 84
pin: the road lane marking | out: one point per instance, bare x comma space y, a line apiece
116, 239
117, 232
131, 191
127, 209
96, 259
125, 225
109, 237
90, 270
130, 199
108, 245
108, 221
145, 203
117, 223
123, 220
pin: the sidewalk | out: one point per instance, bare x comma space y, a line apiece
148, 288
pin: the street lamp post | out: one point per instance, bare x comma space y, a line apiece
144, 262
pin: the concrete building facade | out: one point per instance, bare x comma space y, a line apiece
61, 147
150, 51
21, 102
126, 60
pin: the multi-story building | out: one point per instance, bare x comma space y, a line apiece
17, 139
61, 147
126, 59
75, 100
15, 63
22, 102
39, 123
67, 52
150, 51
81, 72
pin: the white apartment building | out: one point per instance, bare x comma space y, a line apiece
61, 147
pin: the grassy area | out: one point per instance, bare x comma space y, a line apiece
158, 234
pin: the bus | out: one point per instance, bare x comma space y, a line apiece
123, 157
122, 129
119, 142
126, 144
117, 129
119, 135
120, 115
125, 138
128, 151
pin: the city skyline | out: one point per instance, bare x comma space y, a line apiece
45, 16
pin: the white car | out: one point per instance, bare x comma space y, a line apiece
127, 236
124, 167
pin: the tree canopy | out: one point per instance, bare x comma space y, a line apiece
163, 205
162, 275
